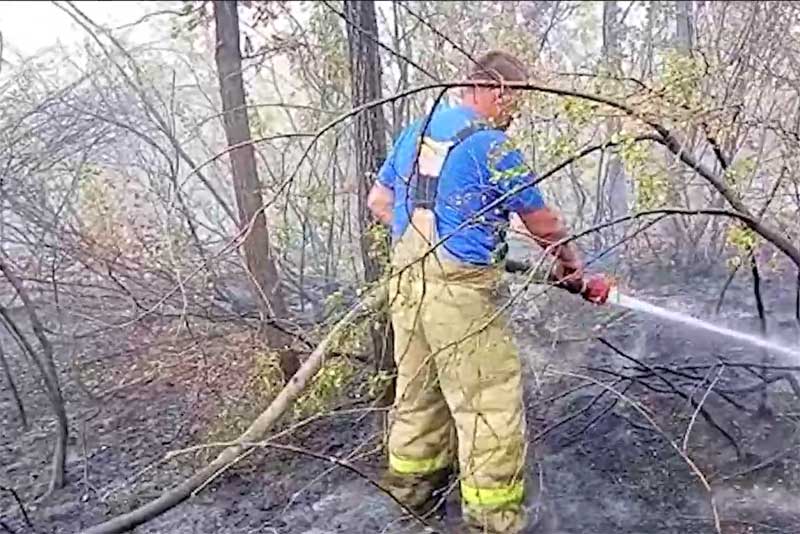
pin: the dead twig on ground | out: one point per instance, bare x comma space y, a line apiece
20, 505
787, 377
565, 393
706, 415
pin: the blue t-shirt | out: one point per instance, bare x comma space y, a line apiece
477, 172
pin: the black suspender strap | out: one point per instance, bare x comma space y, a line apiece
464, 133
425, 187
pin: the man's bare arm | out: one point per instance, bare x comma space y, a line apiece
380, 202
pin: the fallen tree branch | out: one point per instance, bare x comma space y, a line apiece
256, 432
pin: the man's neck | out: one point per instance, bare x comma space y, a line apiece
469, 104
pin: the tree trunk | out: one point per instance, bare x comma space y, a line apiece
247, 187
649, 38
370, 151
23, 418
684, 25
615, 189
690, 234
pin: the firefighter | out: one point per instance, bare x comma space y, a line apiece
447, 193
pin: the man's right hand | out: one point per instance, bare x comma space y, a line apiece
569, 276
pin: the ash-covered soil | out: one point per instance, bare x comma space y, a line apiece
604, 470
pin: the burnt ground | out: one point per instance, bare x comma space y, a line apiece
604, 470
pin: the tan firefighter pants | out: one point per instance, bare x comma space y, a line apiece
459, 377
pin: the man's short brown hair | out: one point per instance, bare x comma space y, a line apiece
498, 66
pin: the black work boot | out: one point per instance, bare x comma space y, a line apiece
423, 494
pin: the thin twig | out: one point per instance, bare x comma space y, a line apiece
725, 287
724, 394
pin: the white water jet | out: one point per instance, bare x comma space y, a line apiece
626, 301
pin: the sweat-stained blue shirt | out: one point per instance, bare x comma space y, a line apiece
476, 173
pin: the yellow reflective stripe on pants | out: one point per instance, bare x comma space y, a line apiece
492, 497
409, 466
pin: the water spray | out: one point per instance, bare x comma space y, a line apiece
617, 298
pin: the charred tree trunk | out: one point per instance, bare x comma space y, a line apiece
763, 407
45, 364
370, 151
247, 187
13, 388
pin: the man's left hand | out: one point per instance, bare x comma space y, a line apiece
596, 289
